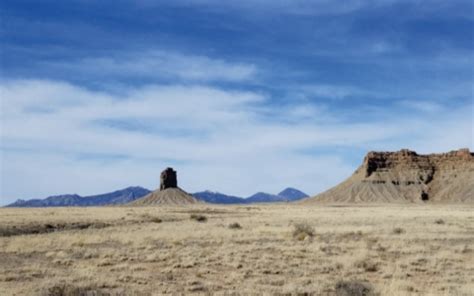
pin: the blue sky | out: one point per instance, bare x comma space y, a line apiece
238, 97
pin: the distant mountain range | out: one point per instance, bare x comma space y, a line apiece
130, 194
68, 200
289, 194
218, 198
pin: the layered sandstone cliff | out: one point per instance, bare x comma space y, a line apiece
406, 176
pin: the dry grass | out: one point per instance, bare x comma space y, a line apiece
350, 250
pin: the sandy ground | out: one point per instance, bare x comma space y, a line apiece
278, 249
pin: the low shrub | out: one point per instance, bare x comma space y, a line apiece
354, 288
303, 231
150, 218
70, 290
367, 265
235, 225
198, 218
398, 230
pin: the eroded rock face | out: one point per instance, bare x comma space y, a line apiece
408, 160
168, 179
407, 176
169, 193
413, 168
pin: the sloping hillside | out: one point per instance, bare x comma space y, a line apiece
169, 196
406, 176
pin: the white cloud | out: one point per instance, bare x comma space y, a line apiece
424, 106
328, 91
298, 7
156, 64
263, 8
57, 137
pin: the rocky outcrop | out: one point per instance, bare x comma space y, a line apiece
168, 179
169, 194
405, 176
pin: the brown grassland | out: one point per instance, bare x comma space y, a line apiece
233, 250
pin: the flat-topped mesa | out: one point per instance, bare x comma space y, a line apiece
461, 153
168, 179
406, 176
375, 161
405, 158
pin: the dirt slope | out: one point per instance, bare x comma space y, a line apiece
405, 176
169, 196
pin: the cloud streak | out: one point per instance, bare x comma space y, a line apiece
239, 96
219, 139
158, 64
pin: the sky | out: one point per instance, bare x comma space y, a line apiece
237, 96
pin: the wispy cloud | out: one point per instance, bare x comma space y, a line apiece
239, 96
332, 91
217, 138
158, 64
423, 106
304, 7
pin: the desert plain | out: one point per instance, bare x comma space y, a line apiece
284, 249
